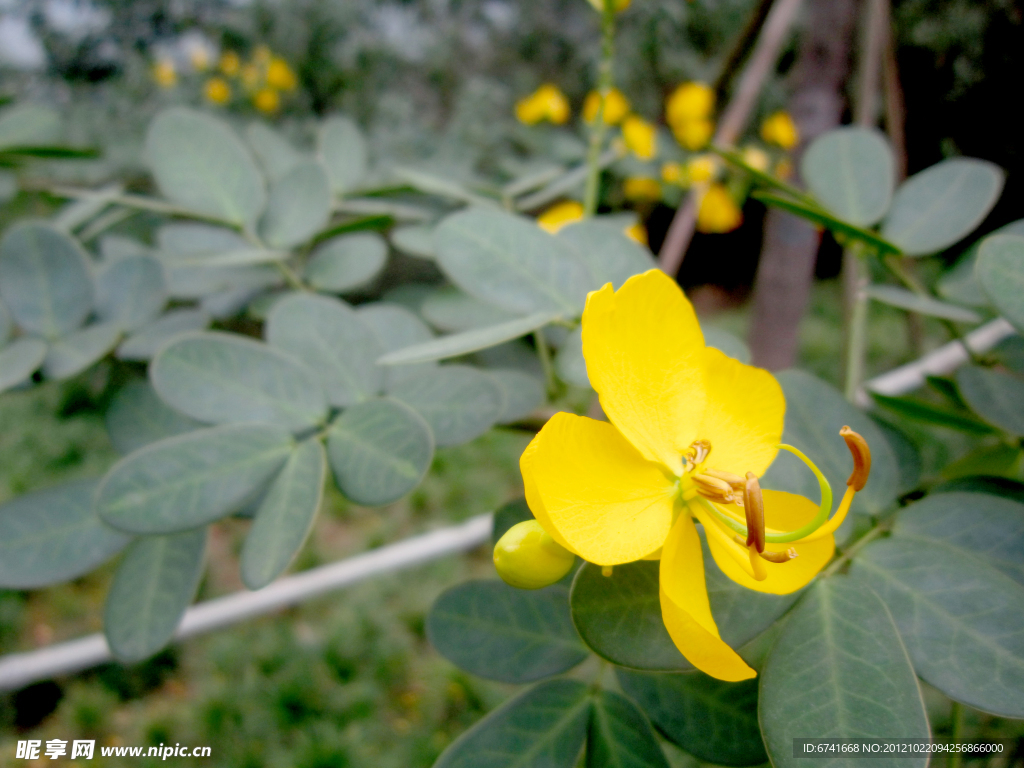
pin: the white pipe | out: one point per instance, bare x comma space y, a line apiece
20, 669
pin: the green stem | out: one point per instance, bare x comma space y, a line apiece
290, 277
605, 81
853, 549
956, 716
544, 353
857, 330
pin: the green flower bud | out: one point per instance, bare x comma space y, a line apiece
528, 558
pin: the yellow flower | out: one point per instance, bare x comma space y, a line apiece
690, 431
702, 168
217, 90
641, 189
640, 136
693, 134
267, 100
756, 158
673, 173
619, 5
690, 101
560, 214
718, 212
229, 63
280, 75
251, 77
779, 128
546, 103
165, 74
637, 232
261, 55
199, 58
616, 107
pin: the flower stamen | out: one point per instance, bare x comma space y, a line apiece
753, 506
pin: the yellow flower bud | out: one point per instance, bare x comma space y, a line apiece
280, 75
528, 558
165, 74
690, 101
672, 173
546, 103
756, 158
619, 5
560, 214
217, 90
640, 136
718, 212
779, 128
641, 189
230, 64
616, 107
637, 232
693, 134
266, 100
702, 168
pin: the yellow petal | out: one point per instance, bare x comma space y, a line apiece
685, 608
744, 415
783, 512
596, 491
533, 500
645, 357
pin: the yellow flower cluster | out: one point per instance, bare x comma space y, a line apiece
263, 79
569, 211
546, 103
688, 112
779, 129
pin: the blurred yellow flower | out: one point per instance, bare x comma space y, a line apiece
641, 189
199, 58
637, 232
690, 101
251, 77
619, 5
616, 107
267, 100
718, 212
640, 136
165, 74
280, 75
779, 128
756, 158
693, 134
261, 55
217, 90
229, 63
560, 214
672, 173
546, 103
702, 168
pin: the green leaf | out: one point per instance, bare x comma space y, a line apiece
379, 451
570, 365
179, 240
28, 124
510, 262
53, 535
995, 486
942, 204
839, 670
824, 219
199, 163
78, 350
1010, 353
915, 409
396, 328
327, 335
147, 340
298, 206
543, 727
713, 720
285, 516
459, 403
924, 305
152, 588
522, 392
507, 515
130, 292
223, 378
192, 479
6, 325
458, 344
996, 396
347, 262
343, 151
442, 186
449, 309
851, 173
19, 360
1000, 270
908, 455
959, 617
415, 240
604, 248
990, 527
44, 279
620, 735
725, 342
275, 153
999, 460
502, 633
815, 412
138, 417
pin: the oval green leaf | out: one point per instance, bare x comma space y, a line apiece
152, 588
78, 350
1000, 270
459, 403
942, 204
44, 279
523, 393
924, 305
6, 325
19, 360
611, 256
130, 292
274, 152
851, 173
346, 262
53, 535
137, 417
344, 153
298, 206
449, 309
225, 378
570, 365
996, 396
396, 328
839, 670
285, 516
415, 240
192, 479
620, 735
147, 340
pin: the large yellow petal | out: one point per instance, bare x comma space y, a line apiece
591, 486
645, 357
685, 608
782, 512
744, 415
533, 500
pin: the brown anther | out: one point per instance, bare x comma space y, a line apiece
753, 506
780, 557
861, 458
735, 481
698, 451
711, 483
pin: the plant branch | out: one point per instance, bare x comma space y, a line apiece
605, 81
